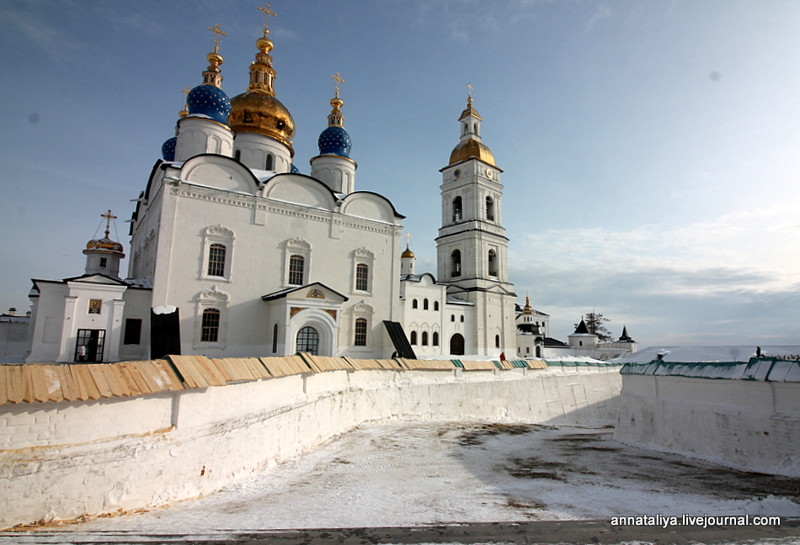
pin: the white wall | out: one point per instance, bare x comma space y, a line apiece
63, 460
745, 424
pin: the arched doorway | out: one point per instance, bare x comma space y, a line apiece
457, 345
308, 340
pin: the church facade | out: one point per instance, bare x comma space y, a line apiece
234, 252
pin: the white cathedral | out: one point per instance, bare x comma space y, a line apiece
234, 253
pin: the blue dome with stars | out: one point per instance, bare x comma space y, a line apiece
294, 169
334, 141
168, 149
209, 100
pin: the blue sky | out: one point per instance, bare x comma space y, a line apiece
649, 147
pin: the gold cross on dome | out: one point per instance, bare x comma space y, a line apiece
408, 239
109, 216
217, 29
469, 89
267, 12
339, 80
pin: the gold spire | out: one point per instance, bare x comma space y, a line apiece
213, 75
262, 75
336, 118
527, 308
185, 111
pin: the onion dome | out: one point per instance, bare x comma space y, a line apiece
527, 309
208, 98
105, 244
293, 169
407, 253
257, 110
168, 149
470, 146
334, 140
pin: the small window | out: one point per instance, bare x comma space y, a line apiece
527, 349
270, 162
489, 209
210, 327
435, 338
103, 262
424, 338
497, 341
237, 155
362, 277
452, 317
425, 304
461, 318
296, 270
216, 260
414, 304
133, 331
413, 337
275, 339
361, 332
436, 305
492, 263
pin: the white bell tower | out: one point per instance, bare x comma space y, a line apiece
472, 248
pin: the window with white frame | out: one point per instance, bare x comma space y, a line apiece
297, 262
362, 318
360, 338
211, 319
363, 260
217, 253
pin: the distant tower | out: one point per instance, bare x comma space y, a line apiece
472, 247
582, 342
104, 255
205, 128
263, 125
408, 262
333, 165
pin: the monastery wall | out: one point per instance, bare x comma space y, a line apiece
742, 415
83, 449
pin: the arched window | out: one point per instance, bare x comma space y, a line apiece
492, 263
457, 212
452, 317
296, 270
424, 338
362, 277
436, 305
413, 337
461, 318
455, 263
425, 304
308, 340
269, 163
497, 341
216, 260
360, 332
489, 209
435, 338
414, 304
275, 339
209, 332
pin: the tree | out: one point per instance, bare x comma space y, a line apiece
595, 324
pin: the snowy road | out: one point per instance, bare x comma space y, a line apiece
401, 474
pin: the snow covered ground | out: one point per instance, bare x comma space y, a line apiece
402, 474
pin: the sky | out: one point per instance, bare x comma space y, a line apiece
648, 146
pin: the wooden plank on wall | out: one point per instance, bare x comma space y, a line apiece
15, 393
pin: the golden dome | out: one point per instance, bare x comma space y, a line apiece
261, 113
471, 149
104, 244
407, 253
